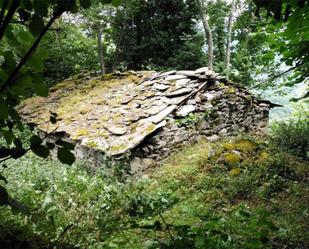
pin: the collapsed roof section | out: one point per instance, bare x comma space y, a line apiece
114, 113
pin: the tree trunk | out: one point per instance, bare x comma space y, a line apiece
203, 13
115, 61
229, 38
100, 51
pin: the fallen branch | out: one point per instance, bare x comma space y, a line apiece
278, 75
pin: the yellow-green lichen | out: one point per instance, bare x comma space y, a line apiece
264, 156
231, 90
80, 132
231, 158
241, 145
150, 128
115, 148
92, 144
234, 172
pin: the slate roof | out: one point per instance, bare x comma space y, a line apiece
114, 113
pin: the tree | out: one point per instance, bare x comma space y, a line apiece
70, 50
202, 5
23, 24
288, 35
152, 34
97, 22
229, 36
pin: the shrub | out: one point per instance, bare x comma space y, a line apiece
292, 135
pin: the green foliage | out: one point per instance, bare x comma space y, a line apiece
23, 24
70, 51
157, 34
191, 120
293, 135
191, 201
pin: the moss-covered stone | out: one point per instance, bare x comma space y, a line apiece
231, 158
241, 145
234, 172
80, 132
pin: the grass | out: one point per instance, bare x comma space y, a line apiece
195, 199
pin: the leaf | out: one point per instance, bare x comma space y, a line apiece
4, 113
35, 140
41, 89
36, 63
53, 120
18, 152
116, 3
65, 156
85, 3
66, 145
3, 178
17, 142
67, 5
4, 152
41, 7
24, 15
36, 24
4, 197
50, 146
8, 136
41, 151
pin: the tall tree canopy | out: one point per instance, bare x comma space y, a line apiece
158, 33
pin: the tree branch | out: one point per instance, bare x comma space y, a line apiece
30, 51
8, 17
5, 3
31, 147
167, 227
278, 75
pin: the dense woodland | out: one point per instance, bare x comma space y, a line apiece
197, 198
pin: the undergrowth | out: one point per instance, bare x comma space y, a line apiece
199, 198
293, 135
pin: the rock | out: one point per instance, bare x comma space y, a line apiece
179, 92
161, 87
198, 98
115, 129
211, 74
136, 165
213, 138
231, 158
209, 96
168, 73
201, 70
191, 102
188, 73
135, 114
155, 109
223, 132
96, 143
175, 77
162, 114
184, 110
181, 83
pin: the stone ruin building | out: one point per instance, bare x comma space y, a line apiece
142, 117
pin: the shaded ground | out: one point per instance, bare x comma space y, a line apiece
239, 193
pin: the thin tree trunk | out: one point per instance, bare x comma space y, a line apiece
115, 58
229, 38
203, 13
100, 51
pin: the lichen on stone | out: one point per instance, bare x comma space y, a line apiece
241, 145
231, 158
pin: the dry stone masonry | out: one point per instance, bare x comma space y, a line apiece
142, 117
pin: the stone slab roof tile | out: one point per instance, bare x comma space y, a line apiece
114, 112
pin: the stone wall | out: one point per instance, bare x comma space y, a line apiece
217, 112
126, 123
